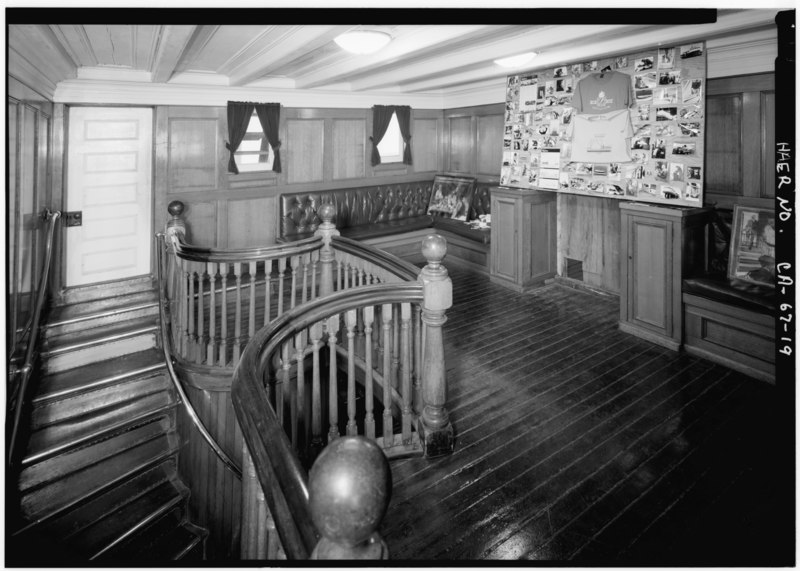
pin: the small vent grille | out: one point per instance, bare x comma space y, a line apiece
573, 269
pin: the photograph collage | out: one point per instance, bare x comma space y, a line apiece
628, 127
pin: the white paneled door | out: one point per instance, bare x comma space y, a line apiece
109, 165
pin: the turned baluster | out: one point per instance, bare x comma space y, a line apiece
284, 388
332, 326
186, 298
316, 387
306, 263
237, 323
314, 260
212, 321
201, 336
303, 427
295, 263
250, 485
192, 350
436, 432
281, 273
369, 418
327, 258
405, 368
386, 322
349, 489
396, 349
251, 315
267, 296
417, 402
223, 349
350, 319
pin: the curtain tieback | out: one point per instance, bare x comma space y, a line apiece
371, 140
227, 145
276, 146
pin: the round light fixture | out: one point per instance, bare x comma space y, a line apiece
517, 60
363, 41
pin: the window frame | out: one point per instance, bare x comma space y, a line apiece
257, 167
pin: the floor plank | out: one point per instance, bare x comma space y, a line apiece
578, 443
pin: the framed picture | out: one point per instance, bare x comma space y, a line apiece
451, 196
752, 255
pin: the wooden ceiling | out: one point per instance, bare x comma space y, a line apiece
421, 59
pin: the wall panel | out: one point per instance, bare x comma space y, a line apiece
425, 145
461, 149
250, 222
201, 222
349, 142
489, 151
304, 150
192, 154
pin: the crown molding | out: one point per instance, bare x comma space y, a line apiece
742, 54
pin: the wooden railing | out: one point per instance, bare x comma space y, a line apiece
332, 337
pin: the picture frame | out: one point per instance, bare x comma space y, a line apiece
451, 196
752, 249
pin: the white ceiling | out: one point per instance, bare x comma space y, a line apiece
428, 61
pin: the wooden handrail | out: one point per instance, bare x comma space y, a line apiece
27, 366
404, 270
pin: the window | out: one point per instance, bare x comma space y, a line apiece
391, 146
254, 153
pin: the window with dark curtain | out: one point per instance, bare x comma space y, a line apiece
404, 121
239, 114
381, 115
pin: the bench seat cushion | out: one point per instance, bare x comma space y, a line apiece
460, 228
387, 228
737, 294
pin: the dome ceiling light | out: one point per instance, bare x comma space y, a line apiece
363, 41
517, 60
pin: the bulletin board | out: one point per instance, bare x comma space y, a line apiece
665, 136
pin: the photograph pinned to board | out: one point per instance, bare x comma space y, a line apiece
669, 77
752, 254
692, 50
621, 62
666, 58
693, 191
692, 91
683, 148
646, 80
643, 64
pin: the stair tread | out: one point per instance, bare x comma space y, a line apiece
99, 423
63, 383
100, 334
85, 513
115, 527
165, 539
82, 310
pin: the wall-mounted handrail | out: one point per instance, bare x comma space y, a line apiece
27, 366
166, 342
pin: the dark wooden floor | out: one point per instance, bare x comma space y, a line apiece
578, 443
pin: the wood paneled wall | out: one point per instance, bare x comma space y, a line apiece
474, 141
320, 149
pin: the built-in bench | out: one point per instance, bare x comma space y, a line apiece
731, 322
392, 217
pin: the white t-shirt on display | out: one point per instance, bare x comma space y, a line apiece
602, 138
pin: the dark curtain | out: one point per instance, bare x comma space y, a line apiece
404, 121
269, 114
381, 116
238, 118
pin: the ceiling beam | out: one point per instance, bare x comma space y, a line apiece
276, 50
407, 40
200, 37
172, 42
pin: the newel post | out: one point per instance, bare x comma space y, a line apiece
349, 488
327, 229
435, 430
176, 224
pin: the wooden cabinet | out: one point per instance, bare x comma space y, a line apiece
660, 245
523, 252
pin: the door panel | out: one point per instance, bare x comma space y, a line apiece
110, 181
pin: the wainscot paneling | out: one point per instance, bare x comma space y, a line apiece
349, 142
474, 140
193, 151
201, 225
303, 154
461, 149
589, 231
251, 222
489, 144
425, 144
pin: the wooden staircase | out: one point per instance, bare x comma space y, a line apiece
98, 479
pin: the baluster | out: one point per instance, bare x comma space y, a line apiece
351, 318
212, 314
192, 331
435, 430
327, 258
306, 260
314, 259
417, 359
301, 422
284, 382
249, 484
201, 338
316, 388
339, 275
237, 326
273, 545
333, 412
281, 273
223, 349
261, 524
353, 272
369, 417
295, 261
396, 350
251, 316
388, 432
267, 297
405, 353
186, 297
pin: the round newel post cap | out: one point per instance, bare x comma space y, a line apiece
434, 248
350, 485
326, 212
175, 208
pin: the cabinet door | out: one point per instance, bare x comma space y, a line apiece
650, 274
504, 238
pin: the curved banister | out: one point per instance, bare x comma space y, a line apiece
391, 263
27, 367
166, 341
212, 255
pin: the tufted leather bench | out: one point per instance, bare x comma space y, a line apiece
369, 212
